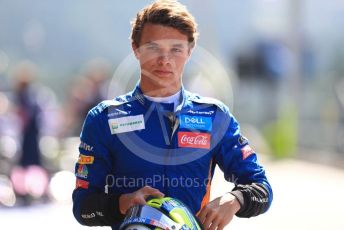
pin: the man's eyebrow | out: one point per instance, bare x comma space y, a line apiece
175, 45
179, 45
151, 43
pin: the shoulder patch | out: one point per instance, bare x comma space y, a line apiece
208, 100
109, 103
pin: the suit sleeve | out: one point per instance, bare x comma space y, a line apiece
239, 163
91, 205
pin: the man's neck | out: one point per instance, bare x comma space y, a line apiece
153, 91
169, 99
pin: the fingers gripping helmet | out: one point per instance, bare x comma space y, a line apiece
160, 214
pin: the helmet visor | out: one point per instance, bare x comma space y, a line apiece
149, 216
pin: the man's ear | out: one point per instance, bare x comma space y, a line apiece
135, 50
190, 49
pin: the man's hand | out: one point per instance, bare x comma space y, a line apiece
138, 197
219, 212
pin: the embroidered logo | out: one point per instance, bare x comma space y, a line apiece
194, 140
85, 160
85, 146
196, 122
82, 171
81, 184
126, 124
242, 140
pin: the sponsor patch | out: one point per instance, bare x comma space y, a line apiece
246, 152
85, 146
194, 140
242, 140
118, 112
196, 122
126, 124
82, 171
88, 216
92, 215
200, 112
81, 184
85, 160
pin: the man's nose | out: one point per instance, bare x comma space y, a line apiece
164, 58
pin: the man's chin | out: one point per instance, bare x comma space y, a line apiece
164, 81
168, 83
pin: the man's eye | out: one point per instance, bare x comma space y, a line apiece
176, 50
153, 48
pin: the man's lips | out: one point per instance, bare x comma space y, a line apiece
162, 72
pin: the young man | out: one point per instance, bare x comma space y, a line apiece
161, 140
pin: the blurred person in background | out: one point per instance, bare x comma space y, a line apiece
29, 177
164, 121
85, 93
8, 132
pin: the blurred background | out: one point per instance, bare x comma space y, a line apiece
278, 64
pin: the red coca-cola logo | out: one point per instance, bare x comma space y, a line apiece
194, 140
197, 140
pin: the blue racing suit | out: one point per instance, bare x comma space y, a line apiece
130, 142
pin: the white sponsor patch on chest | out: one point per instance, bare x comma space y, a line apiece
126, 124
